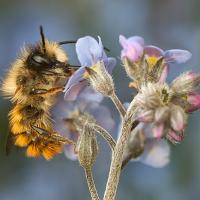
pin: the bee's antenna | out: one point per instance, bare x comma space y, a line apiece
43, 39
74, 41
106, 49
67, 42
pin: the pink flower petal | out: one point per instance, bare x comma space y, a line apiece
192, 75
158, 131
153, 51
132, 47
175, 137
164, 74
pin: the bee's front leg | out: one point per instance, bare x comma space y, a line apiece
45, 92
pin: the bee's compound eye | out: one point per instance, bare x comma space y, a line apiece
39, 59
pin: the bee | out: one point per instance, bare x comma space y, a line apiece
32, 84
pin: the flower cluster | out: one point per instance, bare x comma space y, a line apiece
167, 106
145, 64
160, 109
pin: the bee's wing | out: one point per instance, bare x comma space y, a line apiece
9, 143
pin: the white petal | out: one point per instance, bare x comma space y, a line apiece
156, 153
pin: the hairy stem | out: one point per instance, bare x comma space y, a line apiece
91, 184
118, 104
106, 135
117, 159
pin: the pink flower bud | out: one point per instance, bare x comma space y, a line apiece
175, 137
178, 118
146, 116
192, 75
194, 101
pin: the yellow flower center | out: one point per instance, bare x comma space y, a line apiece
95, 67
152, 60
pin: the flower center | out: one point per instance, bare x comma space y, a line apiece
93, 67
152, 60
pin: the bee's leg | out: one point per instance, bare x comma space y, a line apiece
45, 92
51, 136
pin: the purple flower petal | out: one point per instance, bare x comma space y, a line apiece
137, 39
90, 95
104, 56
110, 64
69, 152
153, 51
89, 51
125, 42
133, 47
102, 115
156, 153
77, 77
177, 56
73, 92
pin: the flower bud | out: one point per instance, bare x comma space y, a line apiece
178, 118
87, 147
146, 116
100, 79
186, 83
175, 137
194, 102
161, 114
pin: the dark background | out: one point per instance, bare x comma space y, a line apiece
168, 24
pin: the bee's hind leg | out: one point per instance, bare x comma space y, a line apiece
51, 135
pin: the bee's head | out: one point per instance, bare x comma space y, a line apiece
47, 55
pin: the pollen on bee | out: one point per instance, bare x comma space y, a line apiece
51, 150
22, 140
18, 128
33, 150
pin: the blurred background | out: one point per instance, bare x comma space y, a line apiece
167, 24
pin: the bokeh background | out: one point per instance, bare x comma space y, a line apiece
165, 23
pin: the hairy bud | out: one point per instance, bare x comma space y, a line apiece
87, 147
100, 79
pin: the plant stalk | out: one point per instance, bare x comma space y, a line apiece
91, 184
